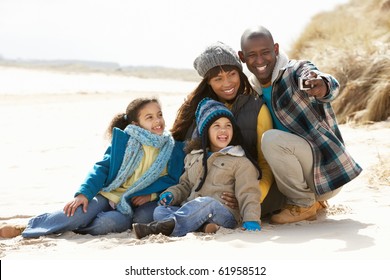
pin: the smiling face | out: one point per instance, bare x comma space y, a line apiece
259, 53
220, 134
150, 117
226, 85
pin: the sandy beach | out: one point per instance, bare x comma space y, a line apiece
53, 128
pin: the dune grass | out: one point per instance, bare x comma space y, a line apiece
352, 43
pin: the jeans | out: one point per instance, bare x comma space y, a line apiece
144, 214
193, 214
99, 219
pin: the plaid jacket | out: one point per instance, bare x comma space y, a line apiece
314, 120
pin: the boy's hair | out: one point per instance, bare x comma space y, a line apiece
121, 120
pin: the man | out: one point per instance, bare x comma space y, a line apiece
305, 149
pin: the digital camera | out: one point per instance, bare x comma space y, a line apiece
302, 85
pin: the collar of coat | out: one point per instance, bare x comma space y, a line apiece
236, 151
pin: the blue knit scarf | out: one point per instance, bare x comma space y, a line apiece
132, 158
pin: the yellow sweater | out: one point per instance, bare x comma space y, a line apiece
264, 123
150, 155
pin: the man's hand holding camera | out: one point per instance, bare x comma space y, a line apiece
314, 85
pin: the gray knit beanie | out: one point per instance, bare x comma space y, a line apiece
216, 54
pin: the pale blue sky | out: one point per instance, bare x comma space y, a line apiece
167, 33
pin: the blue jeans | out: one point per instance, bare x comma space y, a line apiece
144, 214
193, 214
99, 219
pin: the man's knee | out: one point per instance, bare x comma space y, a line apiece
269, 139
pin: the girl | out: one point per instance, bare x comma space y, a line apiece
217, 163
123, 186
224, 81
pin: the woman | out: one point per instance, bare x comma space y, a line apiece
224, 81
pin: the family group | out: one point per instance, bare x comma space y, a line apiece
242, 150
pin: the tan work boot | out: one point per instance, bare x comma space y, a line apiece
209, 228
11, 231
293, 214
323, 204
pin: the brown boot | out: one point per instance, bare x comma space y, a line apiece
209, 228
156, 227
293, 214
320, 205
10, 231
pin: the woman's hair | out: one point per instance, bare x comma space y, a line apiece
121, 120
203, 142
186, 113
